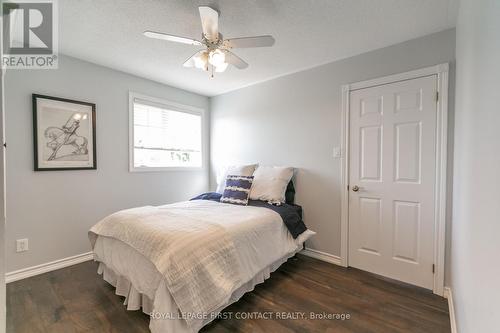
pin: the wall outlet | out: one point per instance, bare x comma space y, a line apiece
22, 245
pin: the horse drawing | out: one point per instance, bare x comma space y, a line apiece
66, 136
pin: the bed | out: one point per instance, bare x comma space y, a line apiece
183, 263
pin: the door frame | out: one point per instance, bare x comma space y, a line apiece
442, 73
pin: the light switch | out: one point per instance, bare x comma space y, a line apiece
337, 152
22, 245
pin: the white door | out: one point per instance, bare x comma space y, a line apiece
392, 180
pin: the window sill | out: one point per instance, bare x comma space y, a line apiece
165, 169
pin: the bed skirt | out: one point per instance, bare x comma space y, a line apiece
134, 300
162, 309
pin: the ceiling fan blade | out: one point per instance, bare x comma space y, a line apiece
190, 62
209, 22
234, 60
171, 38
245, 42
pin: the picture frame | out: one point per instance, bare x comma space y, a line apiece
64, 134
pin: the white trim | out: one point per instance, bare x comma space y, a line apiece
451, 308
432, 70
344, 178
47, 267
441, 178
323, 256
441, 162
176, 107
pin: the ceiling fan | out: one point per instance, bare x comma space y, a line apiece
217, 55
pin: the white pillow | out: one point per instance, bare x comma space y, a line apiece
269, 183
238, 170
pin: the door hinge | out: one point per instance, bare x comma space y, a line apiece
348, 187
433, 268
437, 96
5, 144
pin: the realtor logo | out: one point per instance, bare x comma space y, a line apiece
29, 34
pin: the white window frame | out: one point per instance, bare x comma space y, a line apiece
170, 105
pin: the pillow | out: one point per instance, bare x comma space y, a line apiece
237, 190
270, 183
240, 170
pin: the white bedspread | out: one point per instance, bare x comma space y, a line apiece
242, 241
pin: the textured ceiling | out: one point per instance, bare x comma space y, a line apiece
307, 32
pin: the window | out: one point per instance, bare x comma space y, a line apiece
164, 135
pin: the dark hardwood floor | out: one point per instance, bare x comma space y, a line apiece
76, 299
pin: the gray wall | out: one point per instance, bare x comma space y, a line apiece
56, 209
475, 265
295, 120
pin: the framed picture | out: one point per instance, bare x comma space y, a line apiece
64, 134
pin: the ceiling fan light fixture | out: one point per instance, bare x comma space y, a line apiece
221, 68
201, 61
217, 53
217, 57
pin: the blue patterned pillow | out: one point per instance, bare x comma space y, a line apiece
237, 190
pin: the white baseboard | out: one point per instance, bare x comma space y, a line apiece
47, 267
449, 295
322, 256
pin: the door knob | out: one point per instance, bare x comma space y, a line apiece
355, 188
